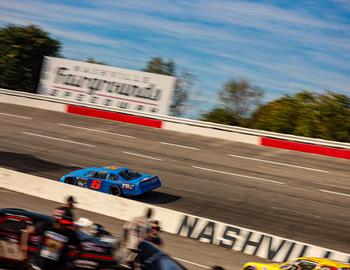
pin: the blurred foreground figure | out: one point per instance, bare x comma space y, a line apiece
150, 257
56, 236
69, 206
153, 235
135, 231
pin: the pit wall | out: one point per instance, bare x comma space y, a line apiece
228, 236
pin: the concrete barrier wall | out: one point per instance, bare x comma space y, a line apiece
34, 103
206, 230
213, 133
237, 134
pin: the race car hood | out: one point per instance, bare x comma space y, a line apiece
261, 266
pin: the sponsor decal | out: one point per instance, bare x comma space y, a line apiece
85, 264
107, 86
128, 186
53, 245
251, 242
10, 250
87, 246
82, 182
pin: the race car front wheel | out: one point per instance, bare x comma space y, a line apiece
69, 181
116, 191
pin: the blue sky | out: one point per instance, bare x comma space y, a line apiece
282, 46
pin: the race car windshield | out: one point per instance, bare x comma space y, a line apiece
129, 174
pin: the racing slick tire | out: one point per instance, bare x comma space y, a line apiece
69, 181
116, 191
249, 268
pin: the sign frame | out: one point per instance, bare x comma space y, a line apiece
108, 86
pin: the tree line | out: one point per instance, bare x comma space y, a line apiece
305, 113
325, 116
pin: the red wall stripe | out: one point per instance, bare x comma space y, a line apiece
308, 148
120, 117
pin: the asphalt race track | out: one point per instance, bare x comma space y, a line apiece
294, 195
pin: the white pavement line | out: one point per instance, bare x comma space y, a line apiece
279, 163
336, 193
295, 211
241, 175
57, 139
18, 116
193, 263
97, 130
139, 155
76, 165
179, 145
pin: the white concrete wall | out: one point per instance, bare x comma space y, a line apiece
213, 133
203, 229
34, 103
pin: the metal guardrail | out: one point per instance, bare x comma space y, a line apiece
178, 120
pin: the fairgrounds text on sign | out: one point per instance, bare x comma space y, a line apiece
105, 85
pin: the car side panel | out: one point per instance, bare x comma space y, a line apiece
108, 185
260, 266
96, 184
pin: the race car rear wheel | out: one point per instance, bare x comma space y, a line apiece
69, 181
249, 268
116, 191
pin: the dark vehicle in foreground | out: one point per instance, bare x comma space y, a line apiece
151, 257
96, 252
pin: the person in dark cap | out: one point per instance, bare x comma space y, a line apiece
71, 200
69, 206
154, 234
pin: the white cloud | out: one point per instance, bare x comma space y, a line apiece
281, 49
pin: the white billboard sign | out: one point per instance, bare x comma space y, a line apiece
105, 85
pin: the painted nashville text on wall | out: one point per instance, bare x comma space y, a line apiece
251, 242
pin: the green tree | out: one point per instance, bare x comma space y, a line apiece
306, 121
159, 66
221, 116
239, 99
93, 61
334, 116
279, 115
184, 83
21, 54
307, 114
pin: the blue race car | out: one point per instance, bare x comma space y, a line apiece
113, 180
